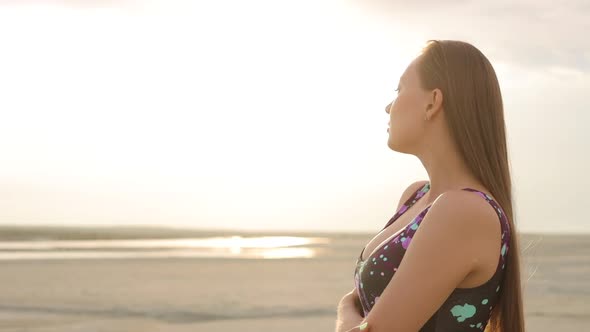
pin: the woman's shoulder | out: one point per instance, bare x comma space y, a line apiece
468, 211
410, 189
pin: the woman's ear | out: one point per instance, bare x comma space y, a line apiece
435, 103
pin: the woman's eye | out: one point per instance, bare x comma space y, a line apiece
397, 90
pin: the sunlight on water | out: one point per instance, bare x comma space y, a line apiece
289, 253
213, 242
265, 247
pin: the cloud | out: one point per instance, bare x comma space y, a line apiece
531, 34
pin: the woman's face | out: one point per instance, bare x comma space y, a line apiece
406, 112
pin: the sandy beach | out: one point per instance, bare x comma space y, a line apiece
223, 294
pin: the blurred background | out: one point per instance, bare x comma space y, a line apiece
197, 165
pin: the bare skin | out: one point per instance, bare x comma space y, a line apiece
349, 310
417, 127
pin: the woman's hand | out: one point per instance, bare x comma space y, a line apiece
349, 312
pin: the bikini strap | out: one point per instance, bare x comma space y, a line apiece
409, 202
504, 224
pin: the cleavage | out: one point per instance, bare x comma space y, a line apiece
401, 223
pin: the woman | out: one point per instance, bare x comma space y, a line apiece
455, 232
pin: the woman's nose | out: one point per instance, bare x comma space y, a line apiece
387, 108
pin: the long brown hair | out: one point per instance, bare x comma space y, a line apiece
474, 113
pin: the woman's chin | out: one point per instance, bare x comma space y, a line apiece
390, 143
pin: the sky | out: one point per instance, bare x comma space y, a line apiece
269, 115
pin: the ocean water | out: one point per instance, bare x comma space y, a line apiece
233, 247
216, 280
179, 280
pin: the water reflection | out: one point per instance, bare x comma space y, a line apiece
265, 247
